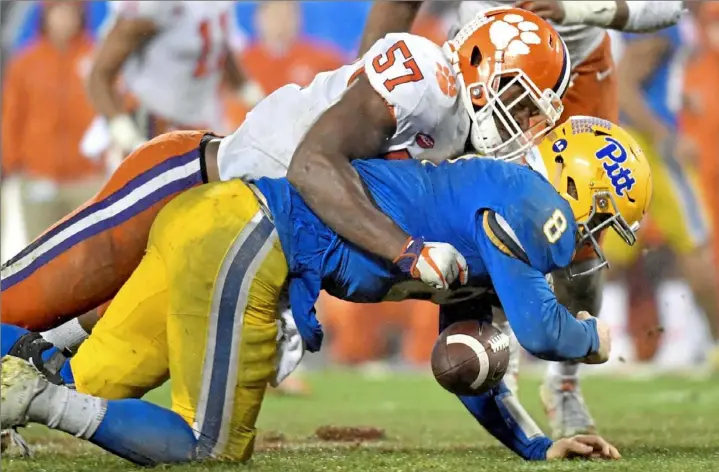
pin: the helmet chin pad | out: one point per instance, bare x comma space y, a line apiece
487, 140
485, 135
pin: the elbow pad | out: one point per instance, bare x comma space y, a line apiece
652, 16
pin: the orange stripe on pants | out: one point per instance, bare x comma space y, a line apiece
84, 259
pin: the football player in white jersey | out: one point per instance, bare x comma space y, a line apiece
171, 57
593, 92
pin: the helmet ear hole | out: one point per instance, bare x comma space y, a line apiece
476, 57
572, 189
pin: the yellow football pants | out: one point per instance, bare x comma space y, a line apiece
200, 309
677, 209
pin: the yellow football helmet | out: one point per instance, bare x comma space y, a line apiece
602, 172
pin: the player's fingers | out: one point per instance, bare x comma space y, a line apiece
614, 453
463, 269
599, 444
583, 315
579, 448
462, 274
440, 282
452, 271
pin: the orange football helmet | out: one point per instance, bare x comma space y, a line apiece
506, 59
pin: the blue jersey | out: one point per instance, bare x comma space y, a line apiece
507, 220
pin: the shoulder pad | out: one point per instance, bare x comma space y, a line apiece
413, 76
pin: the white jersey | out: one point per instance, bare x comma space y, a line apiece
411, 73
581, 40
176, 75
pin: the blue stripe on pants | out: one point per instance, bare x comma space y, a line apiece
226, 335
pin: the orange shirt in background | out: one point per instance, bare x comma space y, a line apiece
297, 65
45, 111
699, 119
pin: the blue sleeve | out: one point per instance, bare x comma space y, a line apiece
543, 327
498, 411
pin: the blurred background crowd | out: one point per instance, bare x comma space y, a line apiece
56, 154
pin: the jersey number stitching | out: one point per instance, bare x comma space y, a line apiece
384, 61
555, 226
202, 68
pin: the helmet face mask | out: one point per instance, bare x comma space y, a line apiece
496, 129
604, 214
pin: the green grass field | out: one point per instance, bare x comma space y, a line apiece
660, 425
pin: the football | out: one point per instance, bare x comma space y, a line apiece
470, 357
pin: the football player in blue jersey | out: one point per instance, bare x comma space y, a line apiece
201, 307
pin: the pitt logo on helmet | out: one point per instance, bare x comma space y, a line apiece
614, 155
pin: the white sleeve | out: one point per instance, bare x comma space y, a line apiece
162, 13
644, 16
403, 69
652, 16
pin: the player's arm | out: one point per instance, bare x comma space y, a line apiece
632, 16
639, 60
389, 100
127, 35
388, 17
504, 417
355, 127
498, 411
543, 327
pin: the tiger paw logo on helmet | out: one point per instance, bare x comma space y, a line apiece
513, 34
447, 82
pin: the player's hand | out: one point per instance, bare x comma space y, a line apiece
605, 340
547, 9
583, 445
125, 134
436, 264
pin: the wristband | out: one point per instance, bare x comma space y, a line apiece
407, 260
